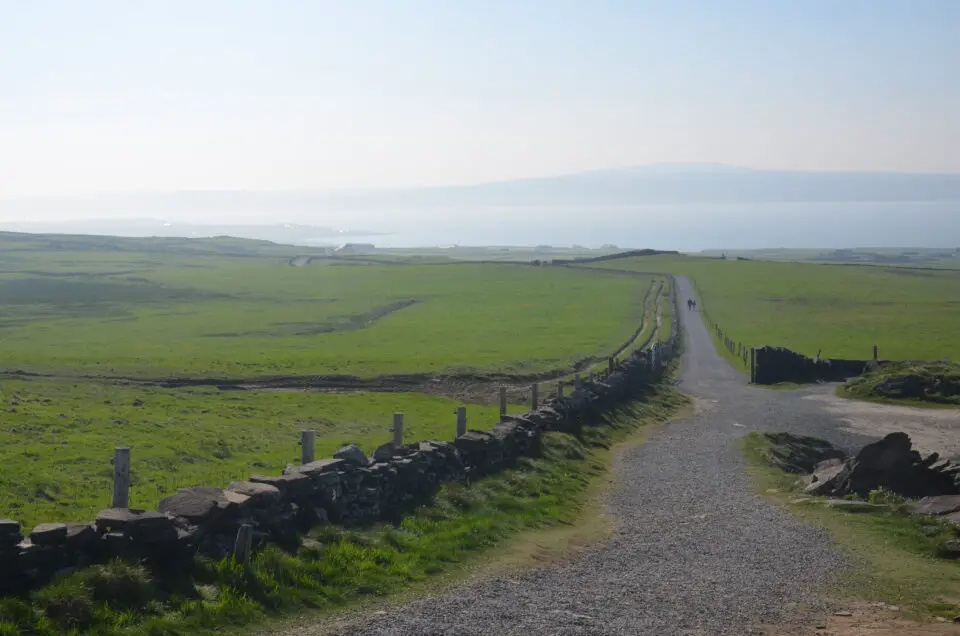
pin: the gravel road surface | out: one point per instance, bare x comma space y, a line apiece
694, 550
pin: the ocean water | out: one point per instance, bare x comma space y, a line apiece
679, 227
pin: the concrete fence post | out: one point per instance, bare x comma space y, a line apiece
398, 429
534, 397
243, 546
461, 420
307, 444
121, 477
503, 401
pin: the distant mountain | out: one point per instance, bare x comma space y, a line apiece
290, 233
690, 184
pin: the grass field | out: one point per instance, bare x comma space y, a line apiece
58, 437
138, 312
842, 311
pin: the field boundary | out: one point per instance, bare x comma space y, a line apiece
347, 490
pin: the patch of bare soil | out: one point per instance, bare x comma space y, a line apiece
864, 620
932, 430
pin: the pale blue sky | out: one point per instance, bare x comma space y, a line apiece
131, 95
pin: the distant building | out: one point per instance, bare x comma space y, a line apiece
356, 248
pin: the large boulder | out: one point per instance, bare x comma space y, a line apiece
892, 464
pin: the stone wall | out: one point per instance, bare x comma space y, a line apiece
771, 365
349, 488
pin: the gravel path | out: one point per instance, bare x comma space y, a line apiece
694, 551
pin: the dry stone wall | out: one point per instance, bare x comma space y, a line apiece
349, 489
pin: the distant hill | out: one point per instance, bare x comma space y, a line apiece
691, 184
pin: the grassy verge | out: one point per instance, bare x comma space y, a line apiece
934, 385
341, 566
894, 556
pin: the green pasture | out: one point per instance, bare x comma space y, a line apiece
146, 313
838, 310
58, 438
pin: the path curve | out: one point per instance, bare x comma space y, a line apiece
694, 550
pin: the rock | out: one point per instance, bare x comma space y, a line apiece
826, 481
199, 504
383, 453
126, 519
288, 485
8, 527
929, 460
259, 494
80, 535
47, 534
833, 462
940, 505
852, 505
950, 549
324, 466
892, 464
353, 455
953, 517
843, 613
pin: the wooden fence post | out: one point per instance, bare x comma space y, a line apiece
534, 390
243, 546
398, 429
559, 389
753, 365
503, 402
121, 477
461, 420
876, 353
610, 365
307, 439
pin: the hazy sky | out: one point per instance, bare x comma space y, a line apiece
272, 94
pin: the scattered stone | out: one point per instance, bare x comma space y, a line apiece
940, 505
843, 613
